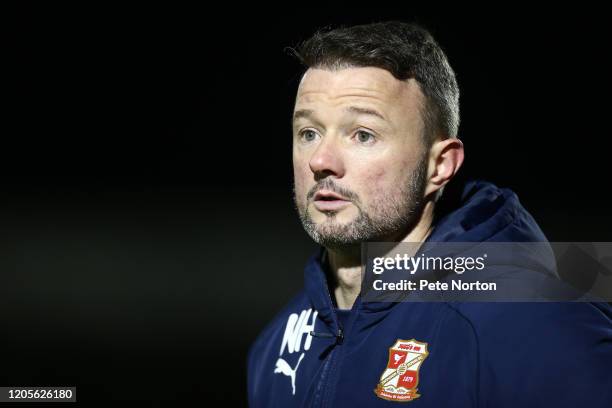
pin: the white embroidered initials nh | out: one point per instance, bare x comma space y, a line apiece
297, 327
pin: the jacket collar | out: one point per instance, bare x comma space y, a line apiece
315, 282
317, 289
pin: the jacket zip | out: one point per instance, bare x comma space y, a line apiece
322, 385
329, 388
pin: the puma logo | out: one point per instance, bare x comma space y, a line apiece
283, 367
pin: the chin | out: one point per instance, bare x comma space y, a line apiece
325, 222
340, 217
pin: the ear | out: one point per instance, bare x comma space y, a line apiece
445, 159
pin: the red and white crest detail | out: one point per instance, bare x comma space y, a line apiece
400, 378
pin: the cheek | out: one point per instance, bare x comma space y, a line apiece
382, 182
376, 184
376, 174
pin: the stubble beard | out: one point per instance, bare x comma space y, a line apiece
393, 218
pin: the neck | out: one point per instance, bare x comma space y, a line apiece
345, 263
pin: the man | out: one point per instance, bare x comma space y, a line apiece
374, 144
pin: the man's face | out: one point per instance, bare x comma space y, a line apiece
359, 159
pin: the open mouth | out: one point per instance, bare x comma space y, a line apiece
325, 200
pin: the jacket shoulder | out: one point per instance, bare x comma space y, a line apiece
265, 345
278, 321
544, 350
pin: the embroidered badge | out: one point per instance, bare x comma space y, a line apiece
400, 378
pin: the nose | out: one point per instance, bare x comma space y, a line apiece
327, 160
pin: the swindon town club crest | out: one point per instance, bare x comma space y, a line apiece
400, 378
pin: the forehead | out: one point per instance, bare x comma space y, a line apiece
370, 84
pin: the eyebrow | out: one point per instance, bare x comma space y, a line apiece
308, 114
302, 113
365, 111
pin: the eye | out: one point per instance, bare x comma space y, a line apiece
308, 135
364, 137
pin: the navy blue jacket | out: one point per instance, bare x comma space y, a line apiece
462, 354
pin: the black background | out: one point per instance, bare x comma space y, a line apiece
147, 226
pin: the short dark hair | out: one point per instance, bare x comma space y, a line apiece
406, 50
